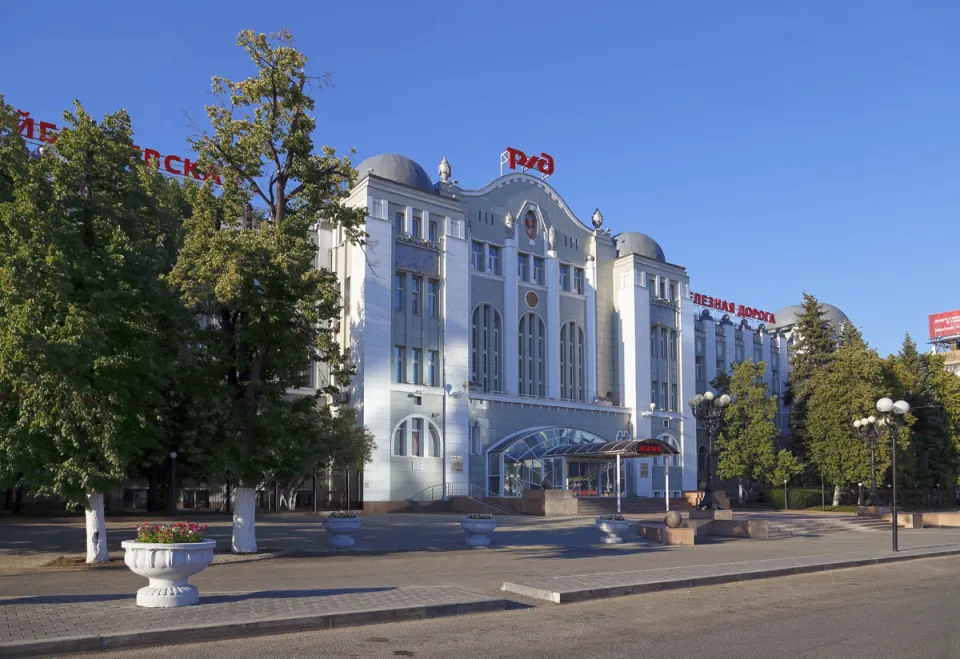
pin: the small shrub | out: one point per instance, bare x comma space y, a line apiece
479, 516
171, 533
342, 514
612, 517
798, 498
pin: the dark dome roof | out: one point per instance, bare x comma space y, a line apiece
788, 315
633, 242
397, 168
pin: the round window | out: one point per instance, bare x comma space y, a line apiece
532, 299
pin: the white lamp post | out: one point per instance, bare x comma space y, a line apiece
892, 414
708, 410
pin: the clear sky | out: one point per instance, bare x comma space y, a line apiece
771, 147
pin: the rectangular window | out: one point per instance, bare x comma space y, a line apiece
416, 437
699, 367
663, 287
398, 222
673, 398
564, 277
721, 367
644, 470
652, 285
434, 231
417, 230
416, 286
400, 440
415, 356
493, 260
578, 281
654, 389
433, 368
653, 342
522, 268
673, 291
476, 257
399, 367
664, 401
538, 271
433, 298
398, 288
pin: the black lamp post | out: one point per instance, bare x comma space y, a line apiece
892, 414
708, 411
870, 429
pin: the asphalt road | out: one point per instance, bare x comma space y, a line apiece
897, 611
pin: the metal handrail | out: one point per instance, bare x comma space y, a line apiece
444, 490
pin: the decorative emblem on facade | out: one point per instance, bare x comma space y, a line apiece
532, 299
508, 224
597, 219
552, 237
530, 224
444, 169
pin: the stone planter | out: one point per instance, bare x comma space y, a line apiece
341, 530
612, 529
478, 530
167, 566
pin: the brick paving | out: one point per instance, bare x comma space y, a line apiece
580, 587
61, 622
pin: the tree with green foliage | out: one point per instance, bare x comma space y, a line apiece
746, 442
934, 395
810, 355
845, 390
86, 235
248, 271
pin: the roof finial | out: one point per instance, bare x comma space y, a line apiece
444, 169
597, 219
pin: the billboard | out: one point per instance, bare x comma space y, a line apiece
944, 324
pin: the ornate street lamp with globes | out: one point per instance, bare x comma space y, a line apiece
892, 414
870, 428
708, 411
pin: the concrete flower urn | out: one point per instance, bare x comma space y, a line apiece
342, 530
478, 530
612, 528
673, 520
167, 566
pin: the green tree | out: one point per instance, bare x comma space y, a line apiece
85, 237
746, 442
267, 310
811, 354
844, 390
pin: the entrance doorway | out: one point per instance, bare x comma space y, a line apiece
594, 478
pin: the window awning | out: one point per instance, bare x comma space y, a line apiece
625, 448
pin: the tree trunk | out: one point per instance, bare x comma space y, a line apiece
836, 496
244, 512
96, 530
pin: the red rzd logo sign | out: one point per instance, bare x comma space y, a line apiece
542, 163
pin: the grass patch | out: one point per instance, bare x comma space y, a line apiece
834, 509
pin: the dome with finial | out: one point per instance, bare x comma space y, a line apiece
787, 317
634, 242
397, 168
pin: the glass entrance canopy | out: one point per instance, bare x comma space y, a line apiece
562, 458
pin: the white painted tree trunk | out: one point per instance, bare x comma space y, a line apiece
96, 529
244, 510
836, 495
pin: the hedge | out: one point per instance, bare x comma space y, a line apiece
798, 498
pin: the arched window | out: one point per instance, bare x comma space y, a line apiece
571, 361
532, 355
486, 348
417, 437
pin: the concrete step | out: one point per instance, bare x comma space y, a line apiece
631, 505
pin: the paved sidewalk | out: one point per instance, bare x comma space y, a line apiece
54, 625
581, 587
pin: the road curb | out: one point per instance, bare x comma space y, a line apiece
620, 590
229, 630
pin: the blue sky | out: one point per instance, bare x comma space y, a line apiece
771, 147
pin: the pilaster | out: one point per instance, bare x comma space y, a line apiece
591, 329
511, 317
552, 273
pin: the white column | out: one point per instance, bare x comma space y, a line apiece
633, 304
590, 368
372, 319
456, 349
553, 325
511, 317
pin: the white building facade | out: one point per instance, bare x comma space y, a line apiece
490, 325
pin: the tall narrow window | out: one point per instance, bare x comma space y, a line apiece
538, 277
663, 287
400, 439
486, 348
399, 367
433, 298
415, 364
523, 273
532, 357
699, 367
417, 230
673, 398
476, 439
416, 286
416, 437
664, 401
433, 444
398, 222
653, 392
673, 292
398, 290
578, 281
433, 368
571, 361
564, 277
433, 229
493, 260
476, 257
